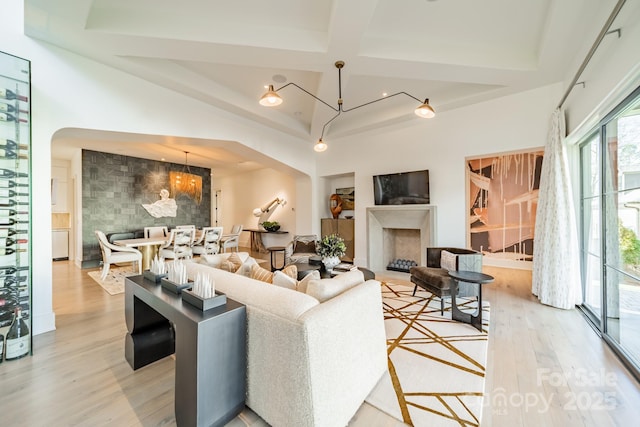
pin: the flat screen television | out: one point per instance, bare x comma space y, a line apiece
405, 188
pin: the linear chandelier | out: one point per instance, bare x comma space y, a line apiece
272, 99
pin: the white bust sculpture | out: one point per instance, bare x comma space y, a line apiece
163, 207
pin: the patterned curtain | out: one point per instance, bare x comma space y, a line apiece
556, 273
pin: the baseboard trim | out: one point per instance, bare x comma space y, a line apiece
43, 323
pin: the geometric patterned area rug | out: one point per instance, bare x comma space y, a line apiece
114, 282
436, 365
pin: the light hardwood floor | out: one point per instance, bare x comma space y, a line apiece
546, 367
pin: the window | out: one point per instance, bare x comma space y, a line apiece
610, 227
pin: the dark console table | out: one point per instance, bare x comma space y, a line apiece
256, 238
210, 350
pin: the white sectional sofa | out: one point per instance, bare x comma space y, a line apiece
310, 363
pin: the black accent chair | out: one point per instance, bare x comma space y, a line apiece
435, 279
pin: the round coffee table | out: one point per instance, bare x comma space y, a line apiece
305, 268
468, 277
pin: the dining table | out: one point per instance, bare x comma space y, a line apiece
148, 246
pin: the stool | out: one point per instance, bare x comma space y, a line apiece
273, 250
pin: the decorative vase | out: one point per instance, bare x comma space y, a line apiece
330, 262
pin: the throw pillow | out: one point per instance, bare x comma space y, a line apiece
227, 266
282, 279
261, 274
304, 247
448, 261
245, 268
291, 271
235, 259
302, 284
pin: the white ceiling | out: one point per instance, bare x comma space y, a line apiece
454, 52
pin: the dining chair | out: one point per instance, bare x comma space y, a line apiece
209, 241
186, 226
112, 254
156, 232
178, 245
232, 239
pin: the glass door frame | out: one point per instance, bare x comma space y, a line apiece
599, 323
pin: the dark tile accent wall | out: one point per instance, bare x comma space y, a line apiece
114, 188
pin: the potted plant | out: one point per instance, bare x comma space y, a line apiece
270, 225
331, 247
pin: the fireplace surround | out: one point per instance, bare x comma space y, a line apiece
380, 219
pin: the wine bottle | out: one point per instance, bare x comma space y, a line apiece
8, 173
8, 94
18, 339
8, 232
6, 117
11, 202
9, 143
8, 108
11, 221
11, 184
7, 192
10, 251
11, 269
8, 241
11, 212
10, 153
12, 281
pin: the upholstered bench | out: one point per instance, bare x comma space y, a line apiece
435, 276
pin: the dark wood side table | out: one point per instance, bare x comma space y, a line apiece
273, 250
468, 277
210, 350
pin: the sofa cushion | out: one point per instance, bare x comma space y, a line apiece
448, 261
245, 268
302, 284
216, 260
436, 277
304, 247
325, 289
235, 259
284, 280
227, 266
261, 274
255, 294
291, 271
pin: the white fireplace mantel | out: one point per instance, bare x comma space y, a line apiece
420, 217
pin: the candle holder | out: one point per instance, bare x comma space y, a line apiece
149, 275
203, 304
176, 288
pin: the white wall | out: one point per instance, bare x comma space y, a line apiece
69, 91
440, 145
242, 193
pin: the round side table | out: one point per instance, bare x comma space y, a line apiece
273, 251
468, 277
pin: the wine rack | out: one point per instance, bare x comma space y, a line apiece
15, 196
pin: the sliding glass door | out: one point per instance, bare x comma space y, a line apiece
610, 214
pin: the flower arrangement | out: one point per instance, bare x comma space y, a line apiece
270, 225
331, 245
